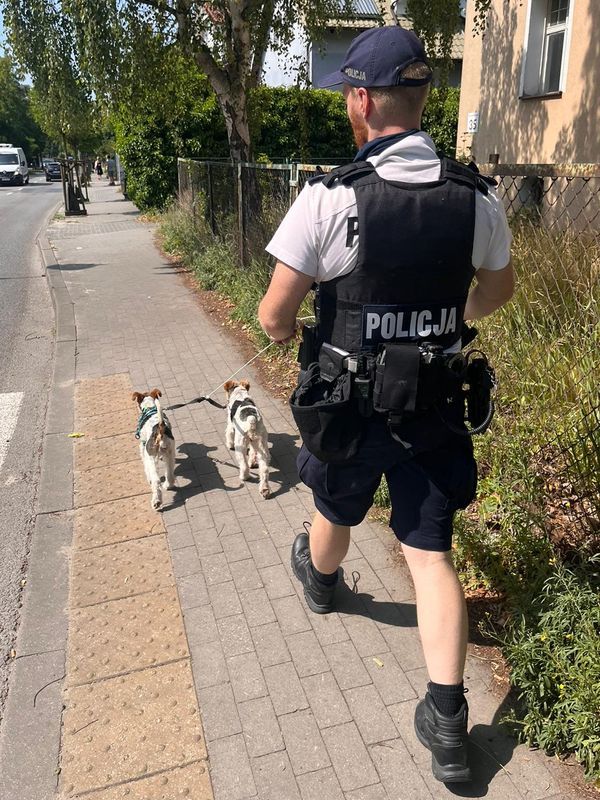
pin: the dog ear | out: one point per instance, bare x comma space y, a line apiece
155, 394
229, 385
138, 397
246, 385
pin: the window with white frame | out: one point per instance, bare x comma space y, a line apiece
544, 67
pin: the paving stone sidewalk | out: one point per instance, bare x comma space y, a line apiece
294, 706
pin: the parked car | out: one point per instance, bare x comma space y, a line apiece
13, 165
52, 170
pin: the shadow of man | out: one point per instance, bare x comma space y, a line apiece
348, 600
490, 746
284, 450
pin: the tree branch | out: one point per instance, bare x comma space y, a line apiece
261, 42
159, 5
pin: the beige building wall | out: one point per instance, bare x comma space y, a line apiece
535, 130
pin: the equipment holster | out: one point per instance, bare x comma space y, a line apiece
307, 352
396, 378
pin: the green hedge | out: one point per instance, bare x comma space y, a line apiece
285, 124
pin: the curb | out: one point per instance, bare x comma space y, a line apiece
33, 714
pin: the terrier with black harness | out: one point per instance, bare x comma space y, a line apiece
156, 443
246, 434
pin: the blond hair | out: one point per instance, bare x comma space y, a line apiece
398, 101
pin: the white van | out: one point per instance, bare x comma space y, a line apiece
13, 165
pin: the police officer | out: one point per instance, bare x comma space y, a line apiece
394, 250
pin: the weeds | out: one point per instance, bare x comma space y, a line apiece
553, 646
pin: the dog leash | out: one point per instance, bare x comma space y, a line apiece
208, 397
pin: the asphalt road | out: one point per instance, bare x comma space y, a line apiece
26, 355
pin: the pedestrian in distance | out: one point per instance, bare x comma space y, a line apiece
111, 169
393, 242
98, 167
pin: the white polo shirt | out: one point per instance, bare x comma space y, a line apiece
312, 235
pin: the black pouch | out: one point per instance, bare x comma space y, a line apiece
327, 416
308, 346
397, 378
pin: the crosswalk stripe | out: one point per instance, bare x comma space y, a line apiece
10, 403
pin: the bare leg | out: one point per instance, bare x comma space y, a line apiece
329, 544
441, 613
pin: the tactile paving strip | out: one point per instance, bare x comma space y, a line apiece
130, 727
120, 570
124, 635
191, 782
108, 424
116, 521
110, 483
93, 395
91, 453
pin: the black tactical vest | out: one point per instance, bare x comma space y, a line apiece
414, 266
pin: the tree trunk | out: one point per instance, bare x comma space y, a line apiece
235, 111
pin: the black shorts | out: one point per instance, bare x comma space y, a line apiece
425, 488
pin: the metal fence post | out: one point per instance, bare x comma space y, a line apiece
240, 204
209, 197
293, 183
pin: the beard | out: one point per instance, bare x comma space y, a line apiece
359, 131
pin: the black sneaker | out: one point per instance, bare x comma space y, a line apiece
319, 597
446, 737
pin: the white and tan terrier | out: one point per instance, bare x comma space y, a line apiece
246, 434
156, 443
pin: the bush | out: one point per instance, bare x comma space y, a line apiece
150, 161
554, 651
440, 118
295, 124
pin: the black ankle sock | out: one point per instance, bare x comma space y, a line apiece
448, 698
326, 580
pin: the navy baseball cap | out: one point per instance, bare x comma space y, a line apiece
377, 57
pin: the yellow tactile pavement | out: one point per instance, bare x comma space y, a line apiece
115, 521
90, 453
131, 725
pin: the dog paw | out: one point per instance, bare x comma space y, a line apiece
265, 491
156, 503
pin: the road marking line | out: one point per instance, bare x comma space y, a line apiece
10, 403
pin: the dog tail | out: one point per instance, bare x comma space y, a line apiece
160, 433
252, 423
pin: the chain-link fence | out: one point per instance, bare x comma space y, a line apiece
247, 201
250, 199
561, 197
